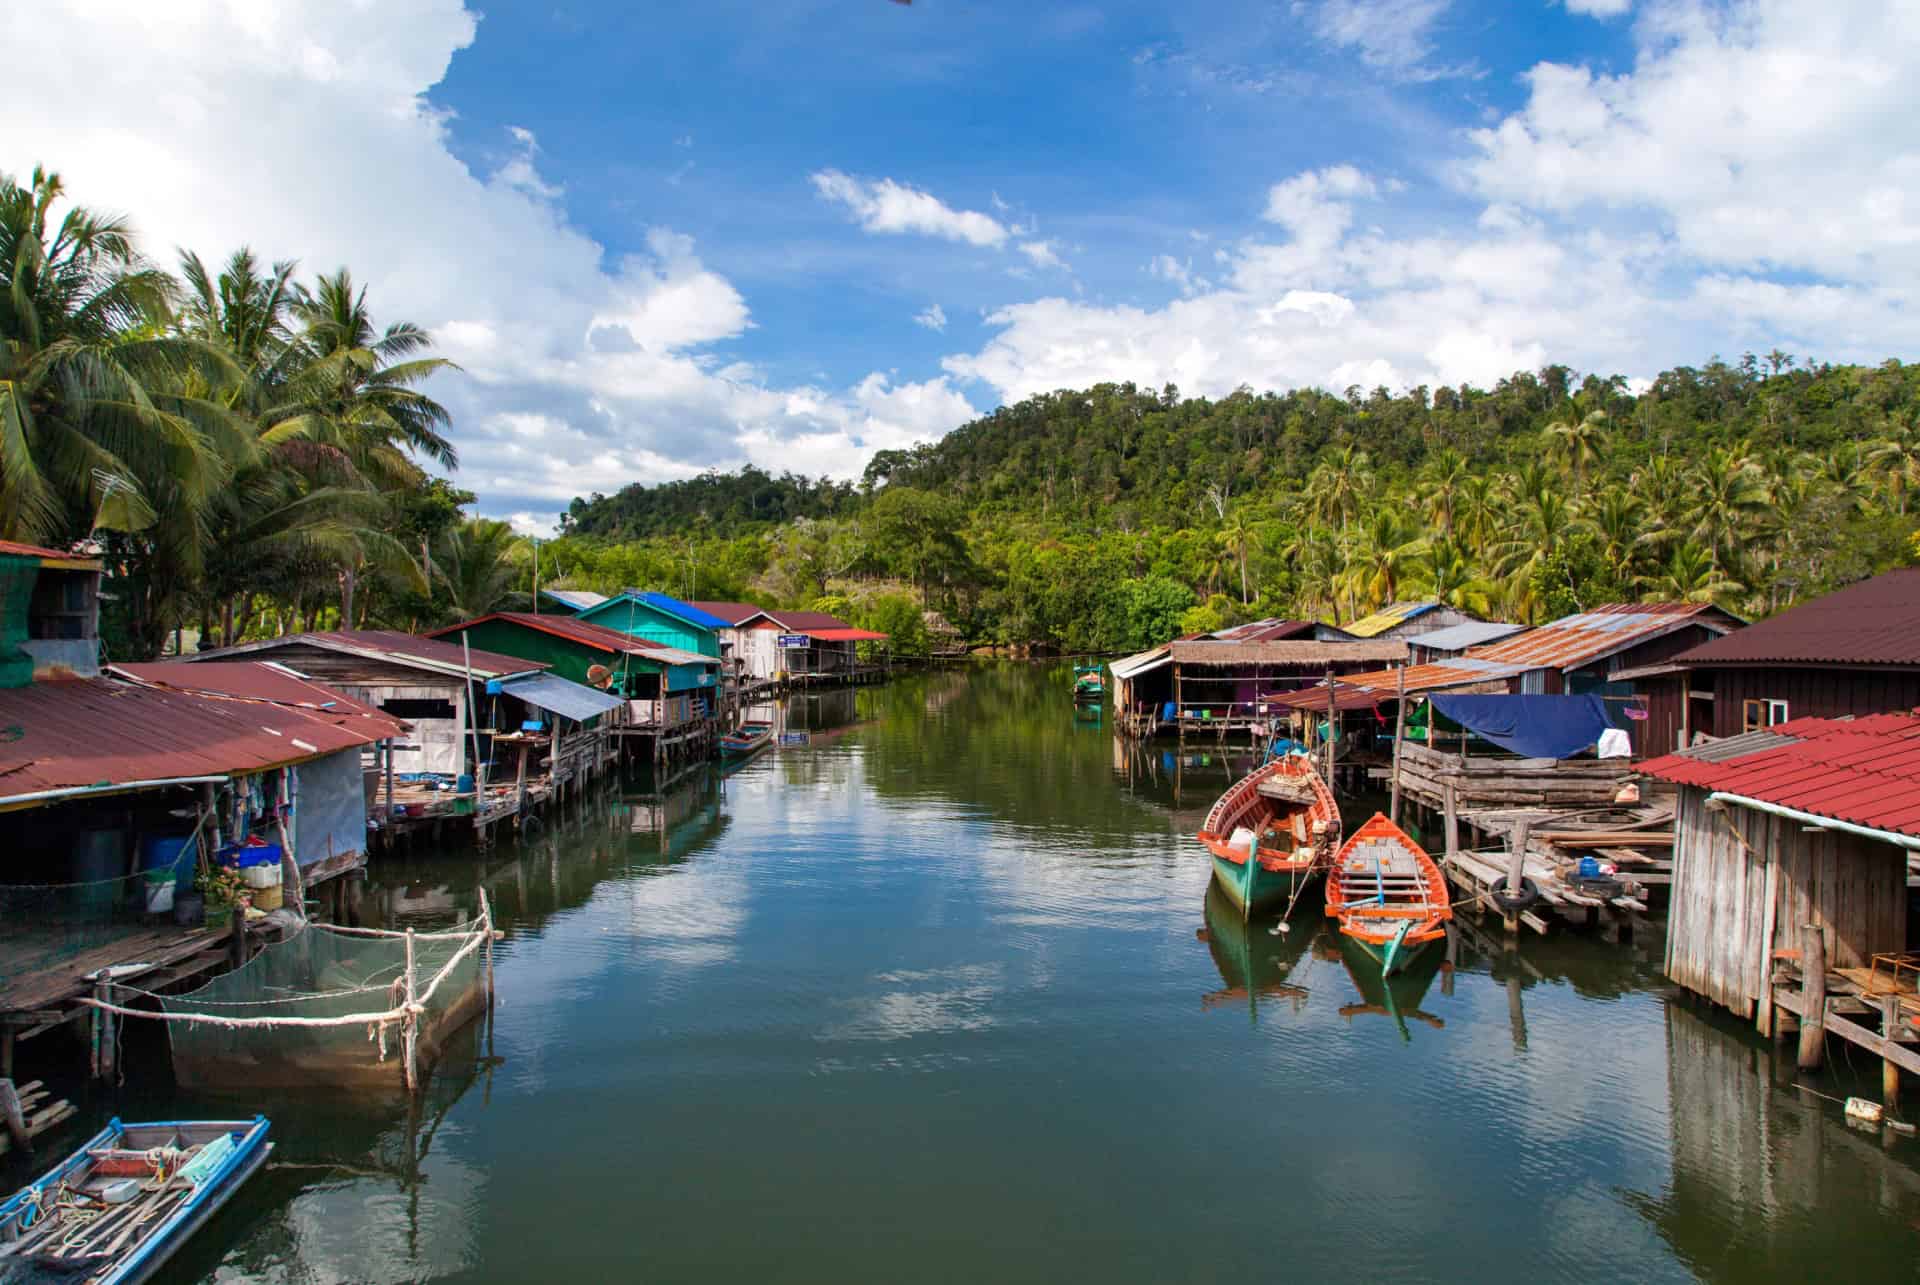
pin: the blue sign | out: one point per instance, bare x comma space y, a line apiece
793, 738
795, 640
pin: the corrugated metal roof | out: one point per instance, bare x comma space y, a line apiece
1567, 643
587, 634
1473, 633
1345, 699
673, 655
578, 599
1875, 622
1862, 770
845, 635
804, 621
388, 645
561, 696
264, 680
1386, 618
1271, 629
734, 613
1299, 651
1141, 662
683, 610
69, 561
99, 732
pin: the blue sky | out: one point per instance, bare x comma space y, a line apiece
662, 238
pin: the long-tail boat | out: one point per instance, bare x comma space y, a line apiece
747, 740
1089, 685
1270, 833
115, 1210
1388, 895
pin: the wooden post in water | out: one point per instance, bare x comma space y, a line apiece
388, 836
1813, 1000
1450, 818
1399, 730
411, 1025
1889, 1073
1330, 690
486, 923
1517, 867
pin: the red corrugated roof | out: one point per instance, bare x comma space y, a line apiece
1875, 622
19, 550
598, 637
1862, 770
1567, 643
845, 635
264, 680
1262, 631
95, 731
734, 613
381, 644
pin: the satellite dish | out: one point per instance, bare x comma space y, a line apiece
599, 676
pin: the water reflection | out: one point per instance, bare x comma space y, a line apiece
1255, 960
1397, 998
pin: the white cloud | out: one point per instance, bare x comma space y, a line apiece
1317, 206
1764, 133
1599, 8
1395, 36
887, 207
580, 373
933, 317
1043, 254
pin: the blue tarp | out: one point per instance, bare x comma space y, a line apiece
1543, 727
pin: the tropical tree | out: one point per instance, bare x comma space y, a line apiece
478, 568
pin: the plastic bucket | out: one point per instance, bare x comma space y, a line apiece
261, 876
269, 898
160, 893
167, 852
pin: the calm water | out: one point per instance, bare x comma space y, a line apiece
941, 996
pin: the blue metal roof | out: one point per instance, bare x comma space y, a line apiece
685, 611
560, 696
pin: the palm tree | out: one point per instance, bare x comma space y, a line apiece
1899, 454
1338, 486
1578, 443
478, 567
1690, 575
1726, 495
96, 400
1448, 577
1235, 537
1446, 477
1619, 518
1477, 515
1384, 555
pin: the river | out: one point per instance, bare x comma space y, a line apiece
939, 995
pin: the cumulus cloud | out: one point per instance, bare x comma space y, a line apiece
933, 317
581, 371
887, 207
1599, 8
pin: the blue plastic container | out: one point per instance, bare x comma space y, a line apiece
161, 851
464, 785
243, 857
1589, 868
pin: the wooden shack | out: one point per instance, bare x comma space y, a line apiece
1791, 852
1855, 651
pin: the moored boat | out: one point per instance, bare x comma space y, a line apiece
115, 1210
1089, 685
749, 738
1388, 895
1270, 833
1255, 962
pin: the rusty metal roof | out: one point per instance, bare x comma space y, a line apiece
1297, 651
1567, 643
71, 561
572, 628
734, 613
1269, 630
388, 645
1865, 771
1311, 699
82, 732
1874, 622
269, 681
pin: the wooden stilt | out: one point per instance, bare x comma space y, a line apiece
1450, 818
1399, 731
1813, 1000
411, 1025
1889, 1072
486, 922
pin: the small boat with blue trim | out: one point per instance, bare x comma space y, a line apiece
115, 1210
746, 740
1388, 895
1271, 833
1089, 685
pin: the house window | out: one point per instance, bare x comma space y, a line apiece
1758, 714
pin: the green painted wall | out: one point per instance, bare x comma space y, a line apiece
644, 620
17, 578
568, 659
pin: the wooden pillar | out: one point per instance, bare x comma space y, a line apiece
1399, 730
388, 832
1889, 1073
1517, 862
1450, 817
411, 1026
1179, 707
1813, 1000
1330, 715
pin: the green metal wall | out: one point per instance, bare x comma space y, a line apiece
567, 658
644, 620
17, 578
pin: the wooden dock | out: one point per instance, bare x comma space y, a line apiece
1554, 842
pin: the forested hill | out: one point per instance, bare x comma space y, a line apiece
1110, 518
1125, 456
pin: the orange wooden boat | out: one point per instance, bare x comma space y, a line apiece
1388, 895
1285, 810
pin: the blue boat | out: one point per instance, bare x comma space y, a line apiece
115, 1210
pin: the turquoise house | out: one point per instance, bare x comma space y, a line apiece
667, 622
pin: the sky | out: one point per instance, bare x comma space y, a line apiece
663, 238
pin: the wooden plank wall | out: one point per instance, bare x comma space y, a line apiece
1718, 945
1809, 692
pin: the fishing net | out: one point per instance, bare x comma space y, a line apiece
45, 924
326, 974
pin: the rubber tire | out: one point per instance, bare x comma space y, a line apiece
1529, 897
1599, 885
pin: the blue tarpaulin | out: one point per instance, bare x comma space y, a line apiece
1544, 727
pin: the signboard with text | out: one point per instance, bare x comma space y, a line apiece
795, 640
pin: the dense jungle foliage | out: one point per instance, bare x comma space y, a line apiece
249, 450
